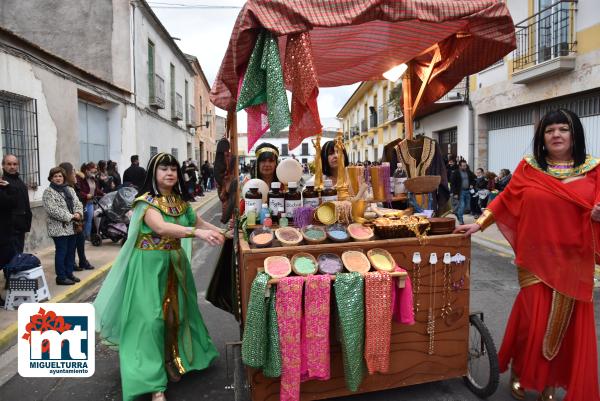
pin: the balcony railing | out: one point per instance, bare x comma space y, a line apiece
546, 35
354, 131
373, 120
157, 93
363, 126
459, 92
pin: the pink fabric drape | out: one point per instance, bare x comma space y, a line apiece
402, 301
289, 317
257, 121
315, 328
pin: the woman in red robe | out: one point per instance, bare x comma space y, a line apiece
549, 213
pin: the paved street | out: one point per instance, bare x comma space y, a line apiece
494, 287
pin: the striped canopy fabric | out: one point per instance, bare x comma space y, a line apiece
358, 40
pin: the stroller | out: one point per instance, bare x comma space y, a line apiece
111, 216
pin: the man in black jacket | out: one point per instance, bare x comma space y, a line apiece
134, 175
461, 181
15, 211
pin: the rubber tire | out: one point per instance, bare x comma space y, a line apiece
96, 240
487, 389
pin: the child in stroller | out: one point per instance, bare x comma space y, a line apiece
111, 216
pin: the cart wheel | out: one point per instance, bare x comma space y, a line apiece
237, 372
483, 373
96, 240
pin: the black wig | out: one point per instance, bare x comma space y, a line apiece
327, 149
266, 151
150, 186
560, 116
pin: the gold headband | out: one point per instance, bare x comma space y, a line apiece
267, 149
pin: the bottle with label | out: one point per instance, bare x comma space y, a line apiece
251, 216
264, 212
253, 198
293, 199
276, 198
329, 194
280, 215
310, 197
399, 178
283, 220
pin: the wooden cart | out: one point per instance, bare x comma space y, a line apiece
411, 362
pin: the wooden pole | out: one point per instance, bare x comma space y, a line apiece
407, 101
233, 140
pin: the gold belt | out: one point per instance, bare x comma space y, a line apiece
558, 319
153, 242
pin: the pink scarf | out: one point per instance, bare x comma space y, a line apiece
315, 328
378, 317
289, 316
402, 300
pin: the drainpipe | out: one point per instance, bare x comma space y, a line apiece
133, 52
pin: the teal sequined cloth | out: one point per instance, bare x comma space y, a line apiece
349, 298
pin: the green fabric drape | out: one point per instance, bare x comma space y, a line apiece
349, 298
263, 82
273, 363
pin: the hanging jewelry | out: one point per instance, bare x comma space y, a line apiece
459, 259
447, 308
431, 317
416, 279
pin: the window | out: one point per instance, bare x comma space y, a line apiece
153, 151
304, 149
19, 134
284, 149
175, 153
151, 89
173, 91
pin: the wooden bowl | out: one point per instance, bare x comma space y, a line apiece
260, 231
335, 260
441, 225
356, 261
311, 240
277, 266
326, 213
359, 232
381, 259
288, 236
302, 272
337, 228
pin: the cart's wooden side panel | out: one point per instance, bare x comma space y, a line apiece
410, 361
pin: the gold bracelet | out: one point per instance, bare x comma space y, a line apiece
191, 232
485, 220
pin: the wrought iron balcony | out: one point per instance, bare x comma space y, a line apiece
191, 120
459, 92
157, 92
546, 35
177, 108
363, 126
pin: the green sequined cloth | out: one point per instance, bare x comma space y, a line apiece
272, 366
254, 340
263, 82
260, 342
349, 298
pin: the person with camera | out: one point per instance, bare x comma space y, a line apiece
64, 216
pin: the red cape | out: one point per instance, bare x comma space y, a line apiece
548, 224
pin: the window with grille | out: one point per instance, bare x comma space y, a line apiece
284, 149
304, 149
175, 153
19, 134
153, 151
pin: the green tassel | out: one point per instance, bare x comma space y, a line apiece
273, 363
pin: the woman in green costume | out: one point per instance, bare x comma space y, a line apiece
147, 306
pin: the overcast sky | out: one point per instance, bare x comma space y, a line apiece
205, 34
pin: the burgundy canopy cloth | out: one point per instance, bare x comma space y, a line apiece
358, 40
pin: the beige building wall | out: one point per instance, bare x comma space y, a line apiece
204, 111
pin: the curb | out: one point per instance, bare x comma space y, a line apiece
9, 335
494, 245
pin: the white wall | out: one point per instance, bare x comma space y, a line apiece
164, 57
457, 116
